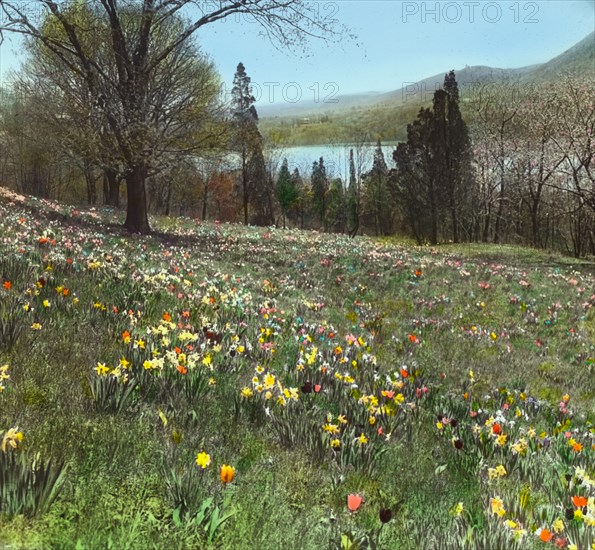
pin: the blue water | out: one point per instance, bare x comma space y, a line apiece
336, 158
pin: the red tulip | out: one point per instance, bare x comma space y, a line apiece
354, 502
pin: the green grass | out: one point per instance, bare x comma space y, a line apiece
433, 345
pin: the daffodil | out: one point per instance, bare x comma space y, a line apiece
203, 460
4, 373
457, 509
519, 534
11, 439
511, 524
102, 369
501, 440
497, 506
269, 381
558, 525
331, 428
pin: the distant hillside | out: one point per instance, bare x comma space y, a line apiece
385, 115
579, 59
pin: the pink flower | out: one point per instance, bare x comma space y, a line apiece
354, 502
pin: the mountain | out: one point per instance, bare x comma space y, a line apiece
579, 59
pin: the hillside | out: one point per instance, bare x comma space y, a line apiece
222, 386
579, 59
385, 116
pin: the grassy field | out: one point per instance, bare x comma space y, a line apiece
216, 386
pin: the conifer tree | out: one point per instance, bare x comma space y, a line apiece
376, 192
287, 191
352, 198
319, 190
247, 140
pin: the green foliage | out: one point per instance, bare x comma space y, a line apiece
319, 182
28, 485
112, 393
287, 191
12, 318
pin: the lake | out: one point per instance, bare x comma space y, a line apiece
336, 158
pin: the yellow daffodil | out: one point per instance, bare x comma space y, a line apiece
11, 439
203, 460
558, 525
501, 440
102, 369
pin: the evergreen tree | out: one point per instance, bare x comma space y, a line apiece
377, 193
287, 191
433, 176
412, 183
456, 147
303, 198
260, 184
352, 198
319, 190
336, 211
246, 138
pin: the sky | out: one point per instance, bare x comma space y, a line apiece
398, 42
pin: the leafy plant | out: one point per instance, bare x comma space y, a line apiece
112, 393
12, 323
186, 491
28, 486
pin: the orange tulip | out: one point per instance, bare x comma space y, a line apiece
546, 535
579, 502
227, 473
354, 502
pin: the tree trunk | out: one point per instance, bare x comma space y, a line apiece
111, 187
168, 200
434, 217
136, 210
454, 221
90, 180
205, 200
245, 185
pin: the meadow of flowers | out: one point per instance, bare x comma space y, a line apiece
217, 386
